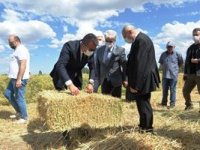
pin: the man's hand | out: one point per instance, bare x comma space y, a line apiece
89, 88
194, 61
133, 90
73, 89
184, 77
18, 83
125, 84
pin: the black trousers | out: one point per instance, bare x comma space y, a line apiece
145, 111
191, 81
108, 88
129, 97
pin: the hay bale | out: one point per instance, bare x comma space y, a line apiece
64, 111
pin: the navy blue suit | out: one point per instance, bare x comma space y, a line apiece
70, 64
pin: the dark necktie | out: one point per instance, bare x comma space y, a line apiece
107, 56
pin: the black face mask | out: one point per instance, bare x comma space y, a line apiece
12, 46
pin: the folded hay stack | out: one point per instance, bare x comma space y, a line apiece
63, 111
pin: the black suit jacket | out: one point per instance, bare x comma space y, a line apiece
70, 64
142, 70
115, 69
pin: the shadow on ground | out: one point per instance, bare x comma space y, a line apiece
188, 139
39, 138
5, 114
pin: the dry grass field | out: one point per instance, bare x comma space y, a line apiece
175, 129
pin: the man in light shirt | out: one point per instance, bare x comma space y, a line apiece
19, 75
170, 61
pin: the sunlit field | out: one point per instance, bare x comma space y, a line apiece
174, 128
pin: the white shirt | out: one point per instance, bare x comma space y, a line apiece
20, 53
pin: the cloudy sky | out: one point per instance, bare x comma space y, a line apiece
45, 25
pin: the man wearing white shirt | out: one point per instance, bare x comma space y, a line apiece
19, 75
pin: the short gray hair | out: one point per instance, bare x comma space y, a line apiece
126, 27
110, 34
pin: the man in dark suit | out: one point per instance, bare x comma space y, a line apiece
111, 65
101, 40
142, 72
73, 57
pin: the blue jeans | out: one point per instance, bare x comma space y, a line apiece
166, 85
16, 97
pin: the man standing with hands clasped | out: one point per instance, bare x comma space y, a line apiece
111, 66
142, 73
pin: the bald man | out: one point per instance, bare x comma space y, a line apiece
19, 75
142, 72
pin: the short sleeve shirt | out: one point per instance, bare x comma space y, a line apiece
20, 53
170, 64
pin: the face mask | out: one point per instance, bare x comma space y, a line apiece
109, 45
88, 53
196, 39
128, 40
101, 43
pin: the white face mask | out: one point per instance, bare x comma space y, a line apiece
196, 39
129, 40
101, 43
109, 45
88, 53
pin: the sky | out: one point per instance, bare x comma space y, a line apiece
45, 25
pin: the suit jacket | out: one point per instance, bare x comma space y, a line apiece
70, 64
115, 69
142, 70
192, 52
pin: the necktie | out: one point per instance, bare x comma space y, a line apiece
107, 56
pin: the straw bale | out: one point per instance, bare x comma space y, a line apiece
60, 110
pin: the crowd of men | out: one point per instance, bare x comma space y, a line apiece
110, 69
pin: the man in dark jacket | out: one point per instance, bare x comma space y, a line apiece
111, 66
73, 57
142, 72
192, 69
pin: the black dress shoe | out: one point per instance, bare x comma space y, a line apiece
66, 138
189, 107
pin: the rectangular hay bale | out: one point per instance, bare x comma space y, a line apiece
63, 111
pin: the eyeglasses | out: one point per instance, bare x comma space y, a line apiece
110, 41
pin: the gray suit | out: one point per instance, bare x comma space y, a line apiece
113, 70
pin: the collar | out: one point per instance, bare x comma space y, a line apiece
137, 32
169, 53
